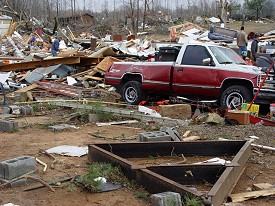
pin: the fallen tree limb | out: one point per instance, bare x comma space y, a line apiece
41, 181
14, 180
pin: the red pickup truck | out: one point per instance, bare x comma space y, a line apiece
200, 72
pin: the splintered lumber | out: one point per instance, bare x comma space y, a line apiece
262, 186
106, 63
27, 88
239, 197
11, 58
191, 138
115, 123
186, 134
68, 53
263, 147
94, 78
41, 63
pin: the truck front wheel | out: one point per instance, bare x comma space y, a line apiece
235, 96
132, 93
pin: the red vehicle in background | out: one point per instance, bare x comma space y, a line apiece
196, 71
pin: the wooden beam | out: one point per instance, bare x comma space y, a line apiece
41, 63
25, 89
239, 197
11, 58
89, 61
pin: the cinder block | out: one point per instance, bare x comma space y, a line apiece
8, 125
154, 136
15, 109
6, 110
176, 111
172, 133
16, 167
166, 199
93, 118
26, 110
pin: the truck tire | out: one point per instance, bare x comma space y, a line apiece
235, 96
132, 93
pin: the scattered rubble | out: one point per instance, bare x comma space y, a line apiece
74, 80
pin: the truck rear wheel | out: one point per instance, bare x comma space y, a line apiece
132, 93
235, 96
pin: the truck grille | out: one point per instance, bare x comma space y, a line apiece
269, 82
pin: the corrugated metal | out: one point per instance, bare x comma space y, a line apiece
40, 73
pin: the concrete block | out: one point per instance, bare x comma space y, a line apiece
166, 199
6, 110
93, 118
154, 136
16, 167
8, 125
172, 133
176, 111
15, 109
26, 110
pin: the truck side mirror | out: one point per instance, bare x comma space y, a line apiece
207, 62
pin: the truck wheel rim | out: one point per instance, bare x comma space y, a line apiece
130, 94
234, 100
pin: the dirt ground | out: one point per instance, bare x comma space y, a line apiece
33, 136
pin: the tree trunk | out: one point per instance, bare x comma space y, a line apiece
224, 7
144, 15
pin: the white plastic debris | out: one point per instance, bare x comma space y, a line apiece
148, 111
72, 151
71, 80
215, 160
100, 179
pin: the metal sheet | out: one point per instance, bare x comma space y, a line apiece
173, 177
201, 148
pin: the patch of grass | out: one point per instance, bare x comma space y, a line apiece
42, 107
14, 130
36, 107
192, 201
71, 187
142, 194
224, 136
112, 174
44, 126
102, 116
51, 107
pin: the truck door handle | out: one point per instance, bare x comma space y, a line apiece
180, 69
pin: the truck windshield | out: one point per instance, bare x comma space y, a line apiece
226, 55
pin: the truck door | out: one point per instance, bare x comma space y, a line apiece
191, 76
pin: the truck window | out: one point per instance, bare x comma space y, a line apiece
194, 55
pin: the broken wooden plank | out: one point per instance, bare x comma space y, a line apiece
239, 197
68, 53
263, 147
27, 88
42, 63
106, 63
115, 123
11, 58
186, 134
262, 186
94, 78
191, 138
